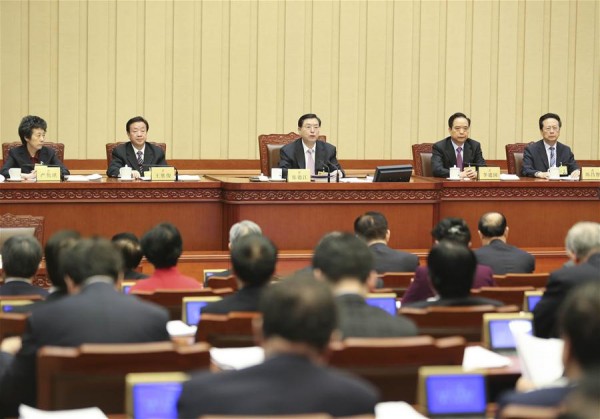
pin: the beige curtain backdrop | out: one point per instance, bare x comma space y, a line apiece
210, 76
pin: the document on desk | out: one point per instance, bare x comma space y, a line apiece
83, 178
395, 410
506, 176
355, 180
188, 178
541, 359
477, 357
26, 412
237, 358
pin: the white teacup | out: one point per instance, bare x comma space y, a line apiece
15, 173
454, 173
125, 172
554, 173
276, 173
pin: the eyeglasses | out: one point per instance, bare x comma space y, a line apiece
550, 129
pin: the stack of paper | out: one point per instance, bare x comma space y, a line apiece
541, 359
83, 178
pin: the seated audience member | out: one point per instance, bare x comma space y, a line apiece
346, 263
162, 246
583, 248
307, 152
457, 150
548, 152
137, 153
451, 268
94, 312
32, 131
579, 318
584, 401
495, 252
21, 257
298, 320
237, 231
130, 248
456, 230
253, 258
373, 227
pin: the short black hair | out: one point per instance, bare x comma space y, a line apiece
451, 269
457, 115
162, 245
452, 228
307, 116
549, 116
21, 256
28, 124
299, 309
137, 119
372, 225
93, 257
54, 252
130, 248
492, 224
579, 320
253, 258
343, 255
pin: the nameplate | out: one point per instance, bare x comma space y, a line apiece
298, 175
590, 173
162, 174
488, 173
562, 170
47, 173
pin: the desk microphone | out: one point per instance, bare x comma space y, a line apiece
326, 167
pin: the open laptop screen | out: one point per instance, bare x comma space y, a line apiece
192, 311
532, 301
385, 302
154, 397
501, 332
463, 394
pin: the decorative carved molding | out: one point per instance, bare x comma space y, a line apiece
331, 196
41, 280
110, 194
522, 193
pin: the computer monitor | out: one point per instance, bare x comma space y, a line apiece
153, 395
385, 301
396, 173
499, 329
191, 306
126, 286
531, 299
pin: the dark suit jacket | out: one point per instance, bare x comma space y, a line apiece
444, 157
22, 288
535, 158
282, 385
19, 157
97, 314
124, 155
360, 320
504, 258
245, 299
456, 302
545, 397
559, 284
390, 260
292, 157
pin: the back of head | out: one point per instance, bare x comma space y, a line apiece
579, 322
21, 256
451, 269
130, 248
371, 225
454, 229
93, 257
162, 245
492, 224
299, 310
583, 239
343, 256
242, 229
253, 258
54, 252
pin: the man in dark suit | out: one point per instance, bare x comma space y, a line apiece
373, 227
457, 150
548, 152
32, 132
495, 252
308, 153
95, 312
137, 153
21, 257
583, 247
345, 262
253, 258
298, 319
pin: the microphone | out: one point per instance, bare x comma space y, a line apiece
326, 167
337, 171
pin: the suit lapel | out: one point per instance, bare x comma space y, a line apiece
131, 157
148, 155
300, 154
467, 153
450, 154
319, 157
541, 150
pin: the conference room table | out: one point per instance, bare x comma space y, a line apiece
296, 215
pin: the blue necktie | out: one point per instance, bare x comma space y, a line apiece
552, 157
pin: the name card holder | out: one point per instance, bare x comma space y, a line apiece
298, 175
488, 173
47, 173
162, 174
590, 173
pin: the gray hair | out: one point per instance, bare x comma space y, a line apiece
243, 228
583, 239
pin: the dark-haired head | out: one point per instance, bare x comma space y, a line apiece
137, 119
549, 116
253, 259
457, 115
28, 124
54, 252
21, 256
372, 225
162, 245
130, 248
93, 257
343, 256
308, 116
454, 229
451, 268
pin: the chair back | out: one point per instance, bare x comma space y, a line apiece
111, 146
508, 295
12, 324
172, 300
94, 374
58, 148
219, 282
518, 411
269, 146
392, 364
422, 159
12, 222
227, 330
398, 282
514, 157
522, 280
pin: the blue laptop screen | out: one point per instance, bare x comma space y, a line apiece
455, 394
501, 335
155, 400
192, 311
387, 304
7, 308
127, 289
532, 301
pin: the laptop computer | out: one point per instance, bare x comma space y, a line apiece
499, 329
531, 299
385, 301
153, 395
191, 306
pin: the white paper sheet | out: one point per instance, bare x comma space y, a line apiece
477, 357
26, 412
237, 358
541, 359
395, 410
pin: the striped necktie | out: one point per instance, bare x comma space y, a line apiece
552, 157
140, 160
